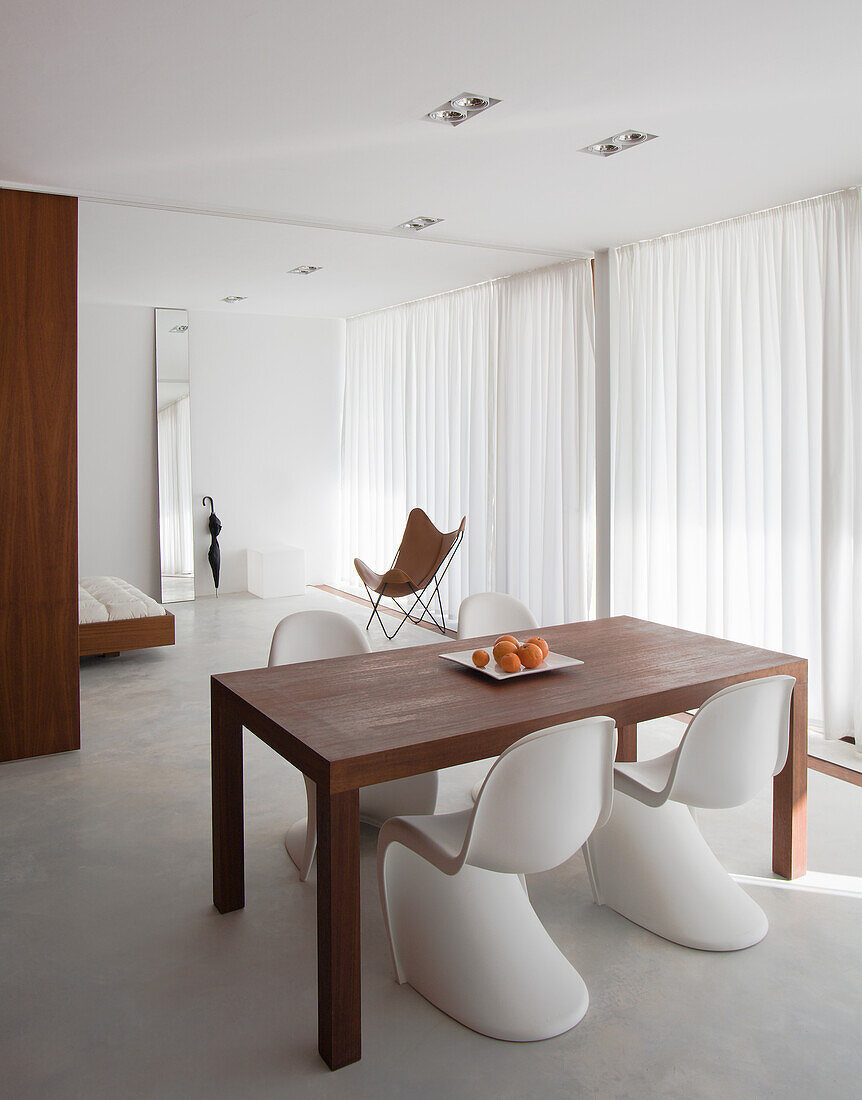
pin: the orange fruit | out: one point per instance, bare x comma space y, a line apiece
541, 643
480, 658
530, 655
507, 638
502, 648
510, 662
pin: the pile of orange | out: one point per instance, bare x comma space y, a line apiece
512, 655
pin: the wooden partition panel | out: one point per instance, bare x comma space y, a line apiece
39, 709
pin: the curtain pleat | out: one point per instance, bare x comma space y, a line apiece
479, 403
736, 393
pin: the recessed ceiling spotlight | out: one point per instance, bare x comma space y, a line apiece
460, 108
231, 298
631, 137
179, 328
467, 102
626, 139
603, 148
415, 224
304, 269
448, 114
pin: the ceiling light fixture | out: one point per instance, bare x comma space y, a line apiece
460, 108
304, 269
631, 137
415, 224
232, 298
625, 139
179, 328
448, 114
603, 149
469, 102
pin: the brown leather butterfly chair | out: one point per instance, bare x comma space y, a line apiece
419, 566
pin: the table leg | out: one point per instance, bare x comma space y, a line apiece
339, 1022
790, 795
627, 743
228, 851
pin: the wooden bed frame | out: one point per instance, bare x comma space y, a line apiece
109, 639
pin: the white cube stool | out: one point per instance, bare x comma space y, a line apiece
279, 571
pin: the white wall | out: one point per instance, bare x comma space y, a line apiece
266, 414
118, 518
266, 425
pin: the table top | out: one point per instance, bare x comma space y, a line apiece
351, 721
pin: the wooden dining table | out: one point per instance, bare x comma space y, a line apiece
353, 721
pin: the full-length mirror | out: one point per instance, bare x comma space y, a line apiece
176, 515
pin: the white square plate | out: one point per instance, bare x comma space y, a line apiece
492, 669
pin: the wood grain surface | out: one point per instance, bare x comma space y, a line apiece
123, 634
39, 708
339, 1031
790, 793
827, 767
352, 721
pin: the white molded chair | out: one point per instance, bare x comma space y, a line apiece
493, 613
461, 928
316, 635
650, 861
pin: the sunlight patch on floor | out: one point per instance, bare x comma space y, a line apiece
817, 882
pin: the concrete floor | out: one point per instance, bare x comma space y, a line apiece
119, 979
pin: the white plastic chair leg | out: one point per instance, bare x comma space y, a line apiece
477, 786
417, 794
472, 945
652, 865
300, 840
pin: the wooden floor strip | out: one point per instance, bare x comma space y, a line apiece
835, 770
386, 610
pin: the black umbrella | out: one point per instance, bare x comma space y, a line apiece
214, 552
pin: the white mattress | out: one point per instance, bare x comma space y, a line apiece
104, 599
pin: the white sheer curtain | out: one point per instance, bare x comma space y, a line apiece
736, 393
175, 489
479, 403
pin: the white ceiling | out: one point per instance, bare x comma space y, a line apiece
313, 111
191, 261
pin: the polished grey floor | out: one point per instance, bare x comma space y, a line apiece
119, 979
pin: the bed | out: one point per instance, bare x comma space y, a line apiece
114, 616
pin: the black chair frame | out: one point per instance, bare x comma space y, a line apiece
417, 593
